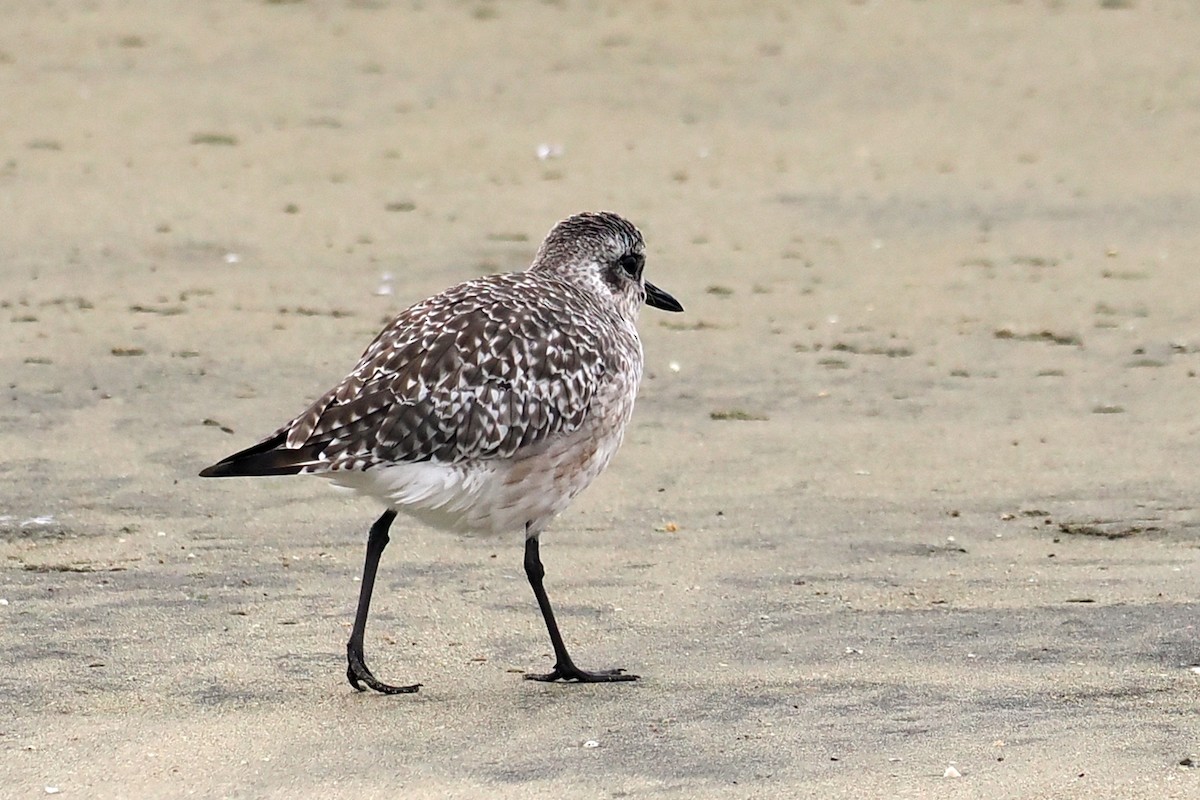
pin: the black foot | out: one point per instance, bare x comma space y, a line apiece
574, 673
357, 671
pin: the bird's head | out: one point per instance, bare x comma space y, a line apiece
605, 254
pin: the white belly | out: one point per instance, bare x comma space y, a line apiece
495, 496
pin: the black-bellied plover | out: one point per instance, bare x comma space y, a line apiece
487, 408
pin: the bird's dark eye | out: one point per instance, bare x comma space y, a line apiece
632, 263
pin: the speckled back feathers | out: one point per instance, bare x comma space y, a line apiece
480, 371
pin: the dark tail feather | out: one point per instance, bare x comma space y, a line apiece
268, 457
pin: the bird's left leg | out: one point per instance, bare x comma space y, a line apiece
356, 667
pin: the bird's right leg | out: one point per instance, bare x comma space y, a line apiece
564, 667
356, 670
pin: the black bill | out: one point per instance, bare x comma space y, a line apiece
657, 298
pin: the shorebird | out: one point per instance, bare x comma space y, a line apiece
486, 408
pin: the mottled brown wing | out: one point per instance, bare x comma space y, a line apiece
477, 372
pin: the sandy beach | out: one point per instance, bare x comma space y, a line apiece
908, 508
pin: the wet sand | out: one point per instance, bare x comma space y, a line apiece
911, 485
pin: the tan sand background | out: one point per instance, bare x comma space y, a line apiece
940, 269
